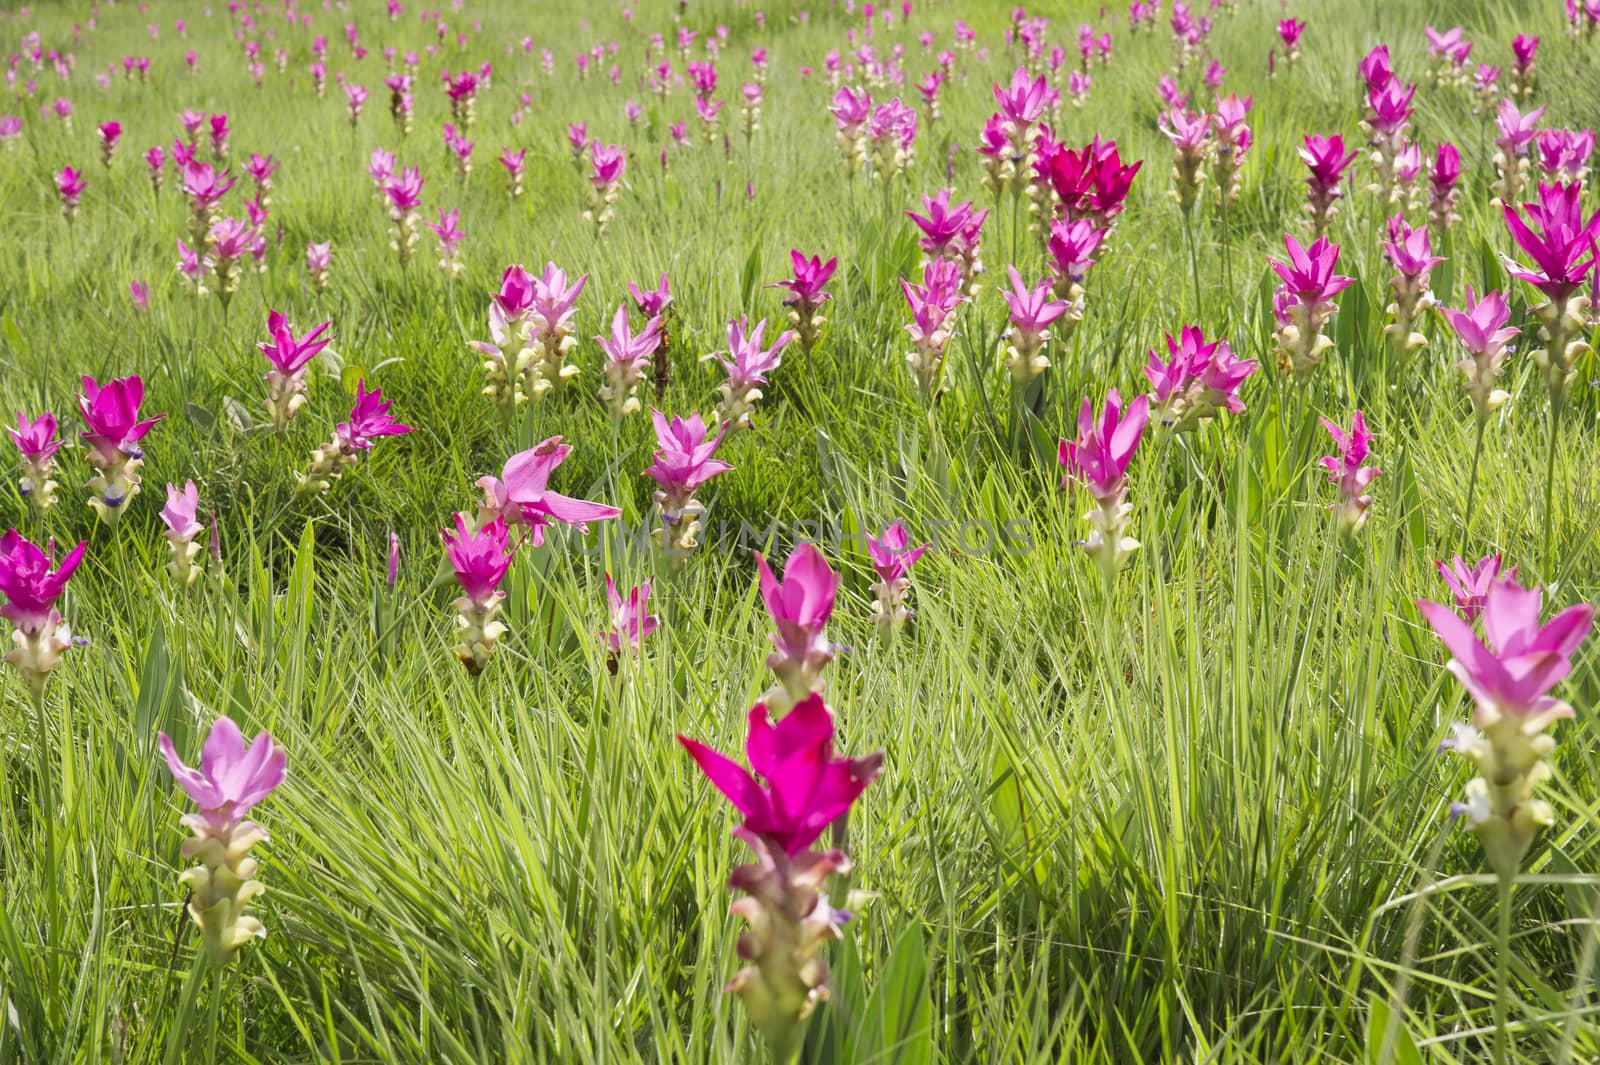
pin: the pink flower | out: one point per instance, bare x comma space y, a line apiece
513, 161
139, 293
447, 232
803, 788
1470, 584
1523, 48
232, 778
1449, 45
205, 185
1409, 249
652, 302
31, 581
1445, 172
947, 228
1564, 153
800, 606
179, 512
1308, 275
522, 496
481, 559
319, 256
1032, 310
1558, 249
1091, 182
1346, 470
1376, 70
810, 276
623, 346
1023, 102
608, 162
749, 362
369, 419
1327, 160
1187, 132
1100, 456
1198, 381
1289, 31
630, 621
380, 167
1517, 129
36, 439
891, 559
287, 353
1511, 671
1072, 246
261, 168
1481, 326
70, 184
1389, 107
355, 98
109, 133
111, 413
405, 193
683, 462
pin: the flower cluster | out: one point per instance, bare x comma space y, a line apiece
1099, 459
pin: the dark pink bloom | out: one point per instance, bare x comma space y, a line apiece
1560, 246
891, 558
946, 228
288, 353
802, 788
1308, 275
1289, 31
111, 413
369, 419
810, 276
1389, 107
31, 582
1100, 456
1327, 160
36, 439
630, 619
70, 184
800, 605
1470, 584
480, 558
1346, 470
1072, 246
1023, 102
651, 302
522, 494
1198, 380
405, 192
1376, 70
684, 460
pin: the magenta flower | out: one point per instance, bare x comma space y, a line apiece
1346, 470
1032, 313
626, 356
109, 133
1450, 46
747, 366
1470, 583
179, 513
232, 779
803, 788
1517, 129
36, 438
380, 168
405, 193
205, 185
521, 495
1327, 160
933, 305
630, 621
683, 464
1289, 31
289, 356
1091, 182
1072, 246
892, 559
1444, 174
1484, 335
111, 414
70, 185
319, 257
450, 235
652, 303
1198, 381
800, 606
1304, 302
1389, 108
1564, 154
32, 582
481, 559
1559, 247
807, 295
608, 162
1100, 456
1023, 102
355, 98
369, 420
1523, 48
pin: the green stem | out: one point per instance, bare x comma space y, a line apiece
1472, 483
1502, 988
45, 810
1550, 486
1194, 261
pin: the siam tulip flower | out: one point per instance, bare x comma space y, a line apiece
1407, 169
1190, 135
1485, 88
460, 149
290, 356
747, 365
401, 101
192, 268
231, 780
1198, 382
369, 420
1091, 182
355, 98
70, 184
633, 113
1412, 255
1233, 139
230, 240
380, 168
552, 307
807, 295
1289, 31
109, 133
933, 306
1098, 459
1000, 168
1482, 330
10, 131
1327, 160
481, 559
1346, 470
630, 623
114, 431
891, 134
751, 111
657, 303
260, 168
1172, 99
1517, 133
800, 606
1388, 117
405, 196
1023, 104
155, 161
139, 296
928, 88
627, 355
892, 559
1563, 252
507, 356
1032, 312
683, 464
1509, 675
514, 162
33, 583
449, 237
1444, 174
1449, 50
37, 443
709, 112
578, 141
605, 175
851, 109
319, 78
219, 136
951, 234
1072, 247
1564, 154
462, 89
1215, 72
193, 122
1470, 583
1303, 304
1523, 49
803, 788
1078, 86
182, 528
521, 494
205, 186
319, 257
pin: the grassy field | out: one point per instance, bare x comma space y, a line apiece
1196, 816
